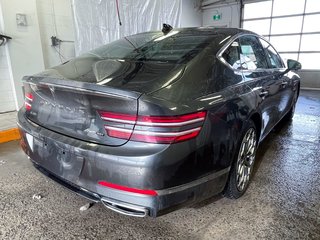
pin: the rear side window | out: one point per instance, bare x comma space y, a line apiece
232, 55
272, 55
252, 54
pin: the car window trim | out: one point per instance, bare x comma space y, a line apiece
236, 37
282, 63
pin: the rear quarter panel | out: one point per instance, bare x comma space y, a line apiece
229, 102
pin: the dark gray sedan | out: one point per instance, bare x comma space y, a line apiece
158, 120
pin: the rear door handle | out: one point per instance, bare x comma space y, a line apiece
284, 83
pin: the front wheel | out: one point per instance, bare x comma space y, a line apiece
242, 166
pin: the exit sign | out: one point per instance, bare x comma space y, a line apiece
216, 17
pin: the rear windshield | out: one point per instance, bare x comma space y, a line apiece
155, 46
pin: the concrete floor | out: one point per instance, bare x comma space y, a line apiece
282, 202
8, 120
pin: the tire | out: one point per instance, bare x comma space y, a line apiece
290, 114
241, 169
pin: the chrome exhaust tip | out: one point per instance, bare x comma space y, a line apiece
125, 208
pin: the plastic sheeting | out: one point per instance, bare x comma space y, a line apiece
96, 21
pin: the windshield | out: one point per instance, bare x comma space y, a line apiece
177, 47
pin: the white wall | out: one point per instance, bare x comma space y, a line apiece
96, 22
191, 14
310, 79
25, 51
30, 49
230, 16
55, 19
7, 102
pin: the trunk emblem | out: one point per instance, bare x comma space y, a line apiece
94, 132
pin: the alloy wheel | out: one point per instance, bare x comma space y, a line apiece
246, 158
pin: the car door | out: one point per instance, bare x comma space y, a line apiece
282, 81
260, 79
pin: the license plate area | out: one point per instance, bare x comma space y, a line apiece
58, 158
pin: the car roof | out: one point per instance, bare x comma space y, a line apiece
206, 31
213, 30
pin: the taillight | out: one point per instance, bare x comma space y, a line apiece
28, 101
118, 117
153, 129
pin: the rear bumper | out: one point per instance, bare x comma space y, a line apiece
141, 206
79, 166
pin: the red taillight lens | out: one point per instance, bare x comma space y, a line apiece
118, 117
28, 101
127, 189
154, 129
170, 121
29, 97
118, 132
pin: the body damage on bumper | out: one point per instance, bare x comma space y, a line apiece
80, 165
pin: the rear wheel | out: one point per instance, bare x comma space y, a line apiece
241, 169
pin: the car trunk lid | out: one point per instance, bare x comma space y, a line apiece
73, 108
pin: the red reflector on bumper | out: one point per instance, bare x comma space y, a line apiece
127, 189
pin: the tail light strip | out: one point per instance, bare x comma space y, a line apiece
28, 101
151, 133
27, 105
117, 117
170, 124
191, 123
29, 97
154, 121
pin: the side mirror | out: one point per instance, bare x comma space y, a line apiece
293, 65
